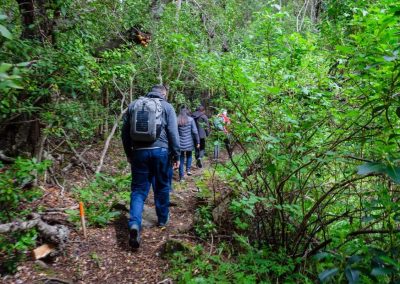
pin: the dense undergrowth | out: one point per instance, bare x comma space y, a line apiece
313, 93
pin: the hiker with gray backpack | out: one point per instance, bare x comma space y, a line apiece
149, 134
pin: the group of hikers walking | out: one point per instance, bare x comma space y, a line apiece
156, 141
193, 131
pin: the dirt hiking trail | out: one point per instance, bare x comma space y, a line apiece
105, 257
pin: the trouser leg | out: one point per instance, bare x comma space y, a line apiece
140, 186
228, 147
161, 172
202, 149
181, 164
216, 150
188, 160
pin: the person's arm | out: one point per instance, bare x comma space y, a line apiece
195, 133
125, 135
172, 133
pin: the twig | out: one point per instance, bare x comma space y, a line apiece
56, 181
358, 159
180, 70
5, 158
80, 158
298, 26
61, 209
67, 167
160, 78
212, 244
107, 144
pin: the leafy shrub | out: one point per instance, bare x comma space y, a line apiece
13, 249
16, 187
368, 264
204, 225
251, 266
16, 191
80, 119
99, 197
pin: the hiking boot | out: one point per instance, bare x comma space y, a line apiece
199, 164
134, 236
189, 173
164, 224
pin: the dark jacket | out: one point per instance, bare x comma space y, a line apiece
202, 123
169, 137
187, 134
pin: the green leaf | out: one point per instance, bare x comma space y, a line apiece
354, 259
352, 275
379, 168
390, 58
63, 11
2, 17
379, 271
327, 274
321, 255
4, 67
13, 85
5, 32
393, 173
23, 64
369, 168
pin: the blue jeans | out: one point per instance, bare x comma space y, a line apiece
188, 155
146, 165
170, 176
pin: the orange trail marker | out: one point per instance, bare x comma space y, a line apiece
82, 214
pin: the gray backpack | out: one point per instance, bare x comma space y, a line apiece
146, 119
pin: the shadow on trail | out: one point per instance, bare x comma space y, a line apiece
121, 231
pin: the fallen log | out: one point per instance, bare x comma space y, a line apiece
56, 234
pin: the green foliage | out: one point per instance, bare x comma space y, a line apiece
14, 248
16, 193
99, 198
310, 109
204, 225
16, 189
313, 93
251, 266
242, 209
368, 265
74, 118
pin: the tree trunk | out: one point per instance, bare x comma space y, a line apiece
22, 134
27, 10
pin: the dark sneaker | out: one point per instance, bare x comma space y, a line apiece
199, 164
134, 236
164, 224
189, 173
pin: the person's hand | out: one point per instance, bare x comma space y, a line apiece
198, 146
175, 165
